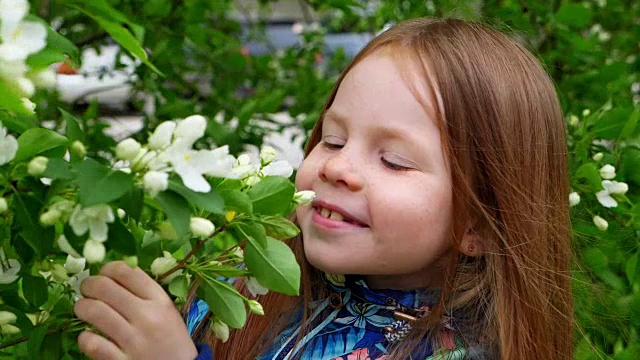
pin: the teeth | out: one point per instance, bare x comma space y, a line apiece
333, 215
336, 216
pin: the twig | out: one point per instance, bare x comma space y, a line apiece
25, 338
193, 251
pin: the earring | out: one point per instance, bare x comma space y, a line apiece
471, 248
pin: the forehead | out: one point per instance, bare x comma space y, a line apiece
384, 91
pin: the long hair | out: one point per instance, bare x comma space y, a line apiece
504, 139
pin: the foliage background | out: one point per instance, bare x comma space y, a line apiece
590, 48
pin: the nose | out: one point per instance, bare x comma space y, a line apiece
339, 170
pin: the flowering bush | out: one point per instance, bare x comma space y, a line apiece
182, 211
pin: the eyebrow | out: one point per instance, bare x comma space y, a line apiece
381, 131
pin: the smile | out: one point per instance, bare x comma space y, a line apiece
329, 216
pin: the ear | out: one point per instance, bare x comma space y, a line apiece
471, 244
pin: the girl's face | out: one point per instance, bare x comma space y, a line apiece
384, 194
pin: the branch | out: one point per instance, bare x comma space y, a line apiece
193, 251
25, 338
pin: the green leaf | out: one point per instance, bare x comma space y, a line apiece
99, 184
57, 46
121, 239
179, 287
275, 266
36, 337
590, 173
612, 123
225, 302
73, 129
10, 101
35, 290
252, 232
278, 227
36, 141
630, 126
177, 210
58, 169
211, 201
272, 196
27, 214
574, 15
237, 201
630, 267
132, 203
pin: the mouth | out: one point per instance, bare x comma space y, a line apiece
331, 212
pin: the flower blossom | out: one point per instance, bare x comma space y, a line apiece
305, 197
608, 172
201, 227
93, 219
611, 187
19, 38
255, 288
600, 223
8, 146
75, 281
94, 251
163, 264
574, 199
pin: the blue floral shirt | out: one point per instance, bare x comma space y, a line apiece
354, 322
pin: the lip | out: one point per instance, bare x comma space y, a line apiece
321, 220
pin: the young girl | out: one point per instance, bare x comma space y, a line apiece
439, 164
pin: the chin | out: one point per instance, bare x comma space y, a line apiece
329, 263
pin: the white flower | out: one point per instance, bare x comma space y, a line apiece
63, 245
238, 253
161, 137
7, 317
597, 156
573, 120
608, 172
243, 168
121, 213
9, 269
255, 307
3, 205
221, 162
50, 218
128, 149
255, 288
190, 129
93, 219
574, 199
252, 180
155, 182
190, 165
8, 146
75, 281
611, 187
74, 265
163, 264
37, 166
28, 105
600, 223
25, 88
220, 330
267, 155
201, 228
59, 273
12, 12
94, 251
20, 39
278, 168
305, 197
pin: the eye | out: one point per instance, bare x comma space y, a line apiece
333, 144
395, 166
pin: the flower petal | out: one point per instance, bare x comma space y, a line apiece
605, 199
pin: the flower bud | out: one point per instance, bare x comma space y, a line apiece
7, 317
163, 264
608, 172
586, 112
155, 182
9, 329
65, 246
600, 223
59, 273
25, 87
244, 160
573, 120
201, 228
574, 199
252, 180
167, 231
238, 253
3, 205
143, 158
220, 330
132, 261
94, 251
255, 307
191, 128
50, 217
128, 149
37, 166
28, 105
78, 149
267, 155
304, 197
74, 265
597, 156
121, 213
618, 188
